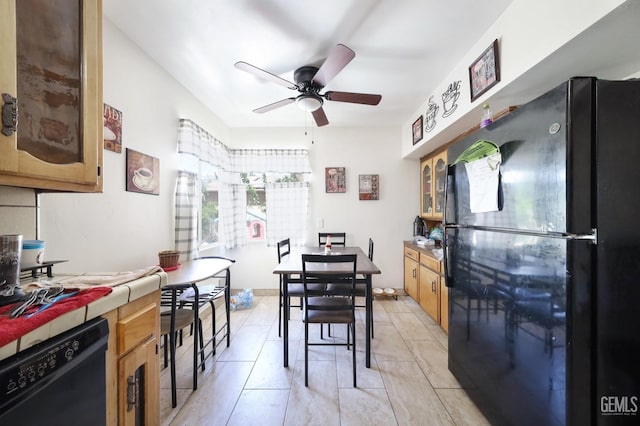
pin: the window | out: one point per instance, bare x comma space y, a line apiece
227, 196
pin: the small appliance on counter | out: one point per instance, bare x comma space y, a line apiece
10, 255
418, 227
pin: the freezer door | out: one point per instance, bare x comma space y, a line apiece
507, 323
532, 192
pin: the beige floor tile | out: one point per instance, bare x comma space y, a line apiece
432, 358
409, 327
365, 407
392, 305
413, 399
318, 403
246, 343
211, 406
268, 372
260, 407
366, 378
388, 345
460, 407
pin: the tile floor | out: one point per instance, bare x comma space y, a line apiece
408, 382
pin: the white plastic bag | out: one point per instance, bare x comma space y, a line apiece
242, 300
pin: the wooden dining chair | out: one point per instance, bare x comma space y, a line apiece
337, 238
338, 309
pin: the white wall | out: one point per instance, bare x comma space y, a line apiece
119, 230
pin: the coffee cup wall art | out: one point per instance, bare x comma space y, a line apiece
143, 173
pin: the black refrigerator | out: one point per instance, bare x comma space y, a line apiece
544, 284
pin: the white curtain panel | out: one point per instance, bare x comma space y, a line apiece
186, 223
287, 210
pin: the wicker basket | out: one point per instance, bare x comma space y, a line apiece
169, 258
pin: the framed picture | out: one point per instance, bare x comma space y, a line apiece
143, 173
368, 187
335, 179
484, 72
112, 132
417, 130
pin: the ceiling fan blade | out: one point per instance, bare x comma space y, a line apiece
354, 98
265, 75
320, 117
338, 58
274, 105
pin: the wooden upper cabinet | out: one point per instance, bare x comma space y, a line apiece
433, 173
426, 187
439, 177
51, 62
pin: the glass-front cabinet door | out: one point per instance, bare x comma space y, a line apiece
439, 177
426, 187
51, 88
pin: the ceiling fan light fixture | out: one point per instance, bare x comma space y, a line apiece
309, 102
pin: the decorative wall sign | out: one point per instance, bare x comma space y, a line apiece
368, 187
450, 98
112, 128
484, 72
430, 115
143, 173
417, 130
335, 179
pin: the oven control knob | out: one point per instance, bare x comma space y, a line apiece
68, 354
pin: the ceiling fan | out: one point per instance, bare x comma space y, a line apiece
309, 81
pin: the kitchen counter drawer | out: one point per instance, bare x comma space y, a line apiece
430, 262
138, 321
411, 253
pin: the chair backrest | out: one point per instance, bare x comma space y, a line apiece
370, 249
337, 238
284, 249
324, 269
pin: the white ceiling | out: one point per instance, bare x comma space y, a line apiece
404, 49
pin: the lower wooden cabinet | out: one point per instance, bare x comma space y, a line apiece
411, 272
133, 363
424, 283
429, 291
137, 384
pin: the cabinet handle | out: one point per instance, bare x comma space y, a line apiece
9, 114
132, 392
414, 273
433, 286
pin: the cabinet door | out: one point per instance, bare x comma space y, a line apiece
439, 177
429, 289
138, 386
411, 277
52, 63
426, 188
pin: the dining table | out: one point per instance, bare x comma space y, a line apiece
194, 276
291, 270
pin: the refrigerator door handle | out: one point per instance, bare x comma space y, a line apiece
449, 182
592, 237
448, 278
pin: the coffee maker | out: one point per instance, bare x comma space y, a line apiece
10, 254
418, 227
